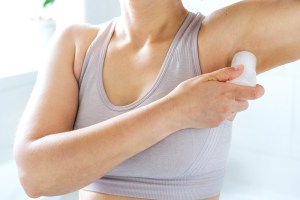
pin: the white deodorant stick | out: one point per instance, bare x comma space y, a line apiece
248, 77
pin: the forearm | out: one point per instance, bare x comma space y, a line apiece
65, 162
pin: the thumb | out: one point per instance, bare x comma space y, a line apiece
225, 74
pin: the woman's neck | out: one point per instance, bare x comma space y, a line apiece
145, 21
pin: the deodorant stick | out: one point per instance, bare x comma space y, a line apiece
248, 77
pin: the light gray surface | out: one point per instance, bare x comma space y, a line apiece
99, 11
14, 93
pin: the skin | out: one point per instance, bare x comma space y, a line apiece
48, 151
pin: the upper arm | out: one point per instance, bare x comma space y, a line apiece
270, 29
52, 107
53, 103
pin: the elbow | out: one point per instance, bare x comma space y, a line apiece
29, 188
33, 186
32, 192
34, 172
27, 171
29, 184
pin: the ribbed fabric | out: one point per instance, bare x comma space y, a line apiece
190, 163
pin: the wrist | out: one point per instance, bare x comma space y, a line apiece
170, 109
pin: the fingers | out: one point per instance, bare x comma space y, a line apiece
260, 91
225, 74
230, 73
231, 116
242, 93
241, 106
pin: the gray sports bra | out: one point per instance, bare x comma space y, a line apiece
189, 164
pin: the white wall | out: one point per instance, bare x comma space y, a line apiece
14, 92
98, 11
265, 152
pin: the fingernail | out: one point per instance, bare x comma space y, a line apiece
238, 67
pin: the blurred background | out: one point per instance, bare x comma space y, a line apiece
264, 161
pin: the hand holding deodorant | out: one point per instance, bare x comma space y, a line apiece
248, 77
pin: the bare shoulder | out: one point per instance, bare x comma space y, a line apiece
82, 36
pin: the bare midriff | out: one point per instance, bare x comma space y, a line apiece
87, 195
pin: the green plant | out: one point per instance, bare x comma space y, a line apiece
48, 2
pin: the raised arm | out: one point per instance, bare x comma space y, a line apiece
270, 29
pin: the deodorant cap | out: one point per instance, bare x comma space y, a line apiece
248, 59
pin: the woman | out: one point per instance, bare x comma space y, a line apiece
105, 116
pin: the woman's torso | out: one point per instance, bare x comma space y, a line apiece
138, 82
